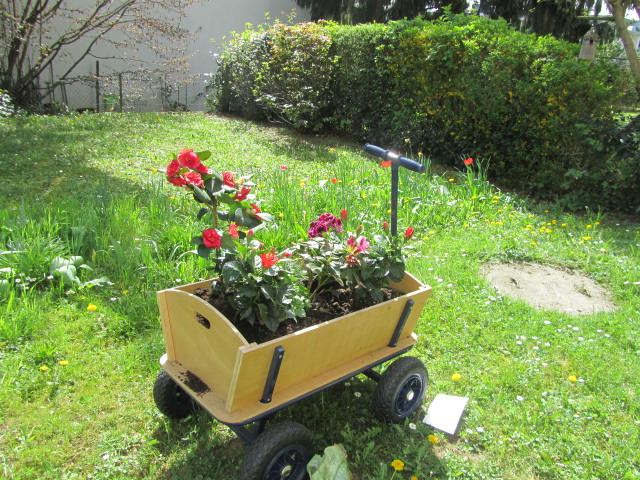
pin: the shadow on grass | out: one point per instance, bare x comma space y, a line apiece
341, 414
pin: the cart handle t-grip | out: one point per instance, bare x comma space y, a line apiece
396, 162
394, 158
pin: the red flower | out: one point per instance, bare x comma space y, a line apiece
287, 254
242, 194
468, 161
228, 180
343, 214
233, 230
211, 238
189, 159
385, 226
283, 167
178, 181
386, 163
334, 180
254, 211
408, 233
193, 178
268, 259
173, 168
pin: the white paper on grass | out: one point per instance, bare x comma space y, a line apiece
445, 412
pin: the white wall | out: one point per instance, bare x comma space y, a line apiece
210, 21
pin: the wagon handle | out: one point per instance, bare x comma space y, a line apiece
394, 158
397, 161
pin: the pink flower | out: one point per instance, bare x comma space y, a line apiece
242, 194
325, 222
233, 230
360, 245
211, 238
268, 259
228, 180
283, 167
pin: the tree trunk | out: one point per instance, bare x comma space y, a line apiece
618, 8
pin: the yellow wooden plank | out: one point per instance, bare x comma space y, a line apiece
314, 350
209, 353
215, 405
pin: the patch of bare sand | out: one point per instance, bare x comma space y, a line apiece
548, 288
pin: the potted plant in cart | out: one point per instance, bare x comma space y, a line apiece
213, 359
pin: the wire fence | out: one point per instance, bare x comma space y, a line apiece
126, 91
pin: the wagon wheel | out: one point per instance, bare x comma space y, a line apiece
279, 453
401, 389
171, 399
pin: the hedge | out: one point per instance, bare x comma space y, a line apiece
547, 122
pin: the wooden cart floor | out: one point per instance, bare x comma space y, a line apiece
214, 403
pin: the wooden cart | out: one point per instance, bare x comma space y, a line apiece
208, 361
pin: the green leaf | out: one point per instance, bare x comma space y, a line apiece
201, 195
203, 251
205, 155
202, 212
197, 240
330, 466
232, 271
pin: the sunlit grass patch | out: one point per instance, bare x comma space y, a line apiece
551, 395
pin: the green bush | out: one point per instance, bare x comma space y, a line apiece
465, 85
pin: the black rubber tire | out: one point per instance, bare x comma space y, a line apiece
171, 399
401, 389
282, 452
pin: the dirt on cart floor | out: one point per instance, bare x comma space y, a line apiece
548, 288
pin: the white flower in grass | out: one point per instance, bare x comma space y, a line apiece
413, 426
357, 394
519, 398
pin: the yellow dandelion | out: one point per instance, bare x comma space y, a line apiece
281, 215
91, 307
456, 377
44, 368
572, 378
413, 477
563, 225
586, 239
534, 243
125, 292
398, 465
433, 439
589, 226
331, 149
63, 363
407, 140
154, 170
452, 179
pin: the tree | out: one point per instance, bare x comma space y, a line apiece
619, 8
34, 33
559, 18
358, 11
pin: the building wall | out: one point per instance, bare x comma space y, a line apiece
210, 21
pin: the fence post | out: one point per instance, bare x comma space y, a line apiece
120, 90
97, 86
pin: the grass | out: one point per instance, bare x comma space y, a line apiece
76, 382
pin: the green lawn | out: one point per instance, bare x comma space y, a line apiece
77, 364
